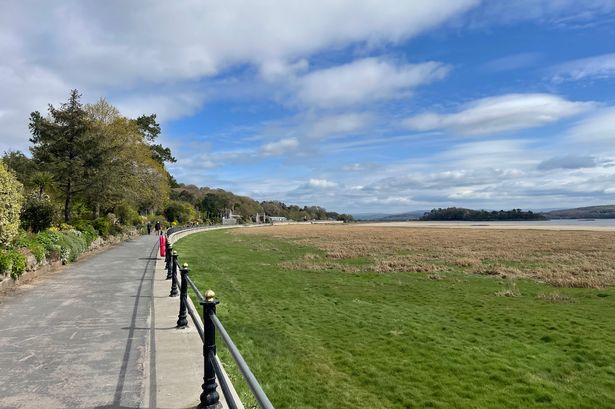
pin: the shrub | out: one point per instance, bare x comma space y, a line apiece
37, 214
102, 225
49, 240
12, 262
6, 262
72, 244
29, 241
11, 198
19, 264
127, 215
181, 212
116, 229
89, 232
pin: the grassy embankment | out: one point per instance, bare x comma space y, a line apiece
331, 317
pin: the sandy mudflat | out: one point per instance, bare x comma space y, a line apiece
538, 225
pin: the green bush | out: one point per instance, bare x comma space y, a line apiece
11, 198
37, 214
181, 212
116, 229
89, 232
102, 225
49, 240
72, 244
126, 214
12, 262
6, 262
30, 242
19, 264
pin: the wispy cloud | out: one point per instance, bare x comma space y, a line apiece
591, 68
513, 62
597, 129
280, 147
500, 114
568, 162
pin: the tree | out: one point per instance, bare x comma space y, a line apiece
42, 181
20, 165
181, 212
121, 168
11, 198
346, 218
61, 145
150, 129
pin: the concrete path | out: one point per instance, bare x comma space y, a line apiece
178, 357
79, 337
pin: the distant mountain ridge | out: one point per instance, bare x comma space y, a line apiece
411, 215
589, 212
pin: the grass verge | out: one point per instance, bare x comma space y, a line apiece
336, 338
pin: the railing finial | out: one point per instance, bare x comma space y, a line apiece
210, 296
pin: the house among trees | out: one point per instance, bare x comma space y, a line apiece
229, 218
260, 218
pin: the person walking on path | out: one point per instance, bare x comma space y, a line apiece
149, 228
157, 227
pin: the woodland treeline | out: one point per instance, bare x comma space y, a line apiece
212, 203
460, 214
93, 172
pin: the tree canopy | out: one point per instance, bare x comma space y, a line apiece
98, 157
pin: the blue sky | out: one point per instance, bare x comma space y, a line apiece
358, 106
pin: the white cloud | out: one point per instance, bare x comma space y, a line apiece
592, 68
24, 89
332, 125
163, 40
166, 106
596, 129
280, 147
274, 70
111, 47
364, 81
321, 183
499, 114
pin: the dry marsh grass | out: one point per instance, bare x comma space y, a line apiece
584, 259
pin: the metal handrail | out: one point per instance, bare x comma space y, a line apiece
257, 390
195, 289
226, 390
206, 331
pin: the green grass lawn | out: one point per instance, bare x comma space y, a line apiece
329, 339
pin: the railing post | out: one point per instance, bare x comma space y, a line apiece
167, 255
174, 267
170, 262
182, 321
209, 396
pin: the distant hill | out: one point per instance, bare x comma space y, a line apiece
462, 214
369, 216
590, 212
412, 215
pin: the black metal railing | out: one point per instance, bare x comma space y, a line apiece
213, 371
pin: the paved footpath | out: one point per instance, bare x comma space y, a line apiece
78, 338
